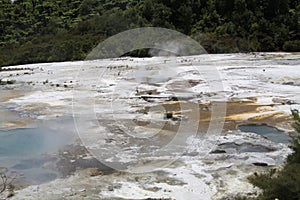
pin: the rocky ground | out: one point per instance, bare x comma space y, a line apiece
163, 128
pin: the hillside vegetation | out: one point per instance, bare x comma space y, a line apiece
284, 184
46, 30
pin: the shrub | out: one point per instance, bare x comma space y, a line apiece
292, 46
284, 184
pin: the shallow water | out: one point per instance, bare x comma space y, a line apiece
28, 152
31, 152
29, 142
246, 147
269, 132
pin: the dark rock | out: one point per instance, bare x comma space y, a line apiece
10, 82
260, 164
158, 199
218, 151
174, 99
169, 115
110, 188
288, 83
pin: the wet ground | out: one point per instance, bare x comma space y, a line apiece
140, 116
271, 133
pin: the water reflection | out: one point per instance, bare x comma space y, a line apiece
269, 132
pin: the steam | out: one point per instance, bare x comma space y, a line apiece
161, 72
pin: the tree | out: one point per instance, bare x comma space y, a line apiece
148, 10
284, 184
252, 25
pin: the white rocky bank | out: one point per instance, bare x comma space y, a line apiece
86, 88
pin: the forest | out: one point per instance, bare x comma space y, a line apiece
34, 31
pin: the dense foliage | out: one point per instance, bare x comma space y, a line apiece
284, 184
47, 30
